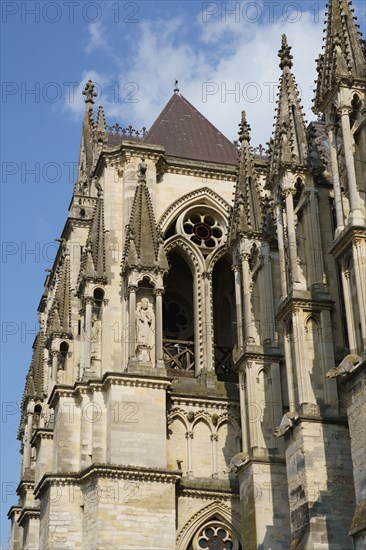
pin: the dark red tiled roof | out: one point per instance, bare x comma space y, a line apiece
185, 133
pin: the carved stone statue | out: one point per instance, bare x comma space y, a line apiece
287, 422
145, 330
238, 460
349, 364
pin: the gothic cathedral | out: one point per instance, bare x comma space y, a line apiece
198, 379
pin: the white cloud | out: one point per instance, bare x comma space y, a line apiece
241, 57
74, 102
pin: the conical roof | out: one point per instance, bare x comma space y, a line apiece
184, 132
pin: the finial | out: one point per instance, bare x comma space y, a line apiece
176, 88
244, 128
284, 54
89, 93
142, 171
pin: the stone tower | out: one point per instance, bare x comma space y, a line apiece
184, 391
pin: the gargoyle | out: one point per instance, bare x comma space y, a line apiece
237, 462
349, 364
287, 422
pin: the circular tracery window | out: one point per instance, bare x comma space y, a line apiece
203, 229
215, 536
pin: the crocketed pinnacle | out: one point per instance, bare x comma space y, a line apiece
93, 265
289, 144
100, 126
144, 243
60, 316
35, 377
247, 212
343, 57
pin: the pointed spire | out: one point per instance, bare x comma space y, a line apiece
343, 56
144, 244
247, 213
93, 264
86, 145
35, 377
289, 144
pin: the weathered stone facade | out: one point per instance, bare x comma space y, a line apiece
183, 391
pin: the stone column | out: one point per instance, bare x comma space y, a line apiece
350, 321
243, 413
318, 273
253, 409
189, 437
239, 306
355, 215
132, 322
290, 373
281, 249
214, 439
159, 327
87, 331
27, 440
248, 322
355, 392
291, 237
269, 327
359, 262
330, 128
208, 320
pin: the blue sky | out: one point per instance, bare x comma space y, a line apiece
225, 57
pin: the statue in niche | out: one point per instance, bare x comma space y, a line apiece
95, 337
145, 330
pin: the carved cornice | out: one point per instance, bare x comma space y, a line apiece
107, 472
291, 304
41, 433
27, 514
24, 487
349, 236
103, 384
207, 494
206, 403
203, 170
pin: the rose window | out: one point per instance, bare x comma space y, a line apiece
203, 229
215, 536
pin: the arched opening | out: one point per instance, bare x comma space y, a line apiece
223, 292
98, 296
178, 316
64, 350
37, 415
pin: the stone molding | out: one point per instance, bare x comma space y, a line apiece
209, 402
349, 236
106, 472
27, 514
109, 379
41, 433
